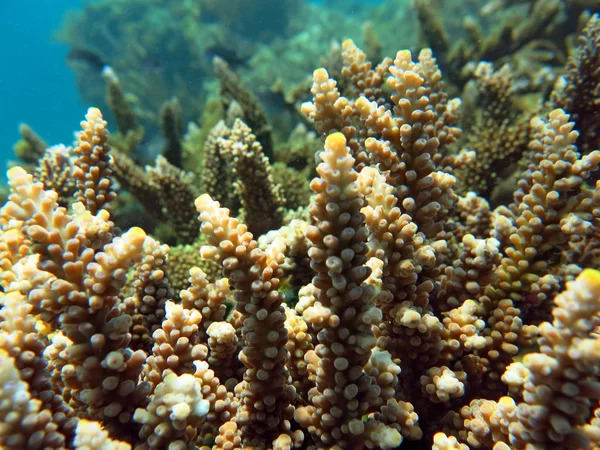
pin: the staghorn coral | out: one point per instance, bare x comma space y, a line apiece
266, 394
412, 328
580, 94
151, 291
31, 147
91, 166
194, 141
120, 107
54, 171
260, 197
164, 191
26, 419
175, 190
217, 172
90, 435
554, 389
87, 265
235, 157
530, 37
343, 391
293, 184
558, 168
184, 257
172, 128
428, 317
498, 134
233, 94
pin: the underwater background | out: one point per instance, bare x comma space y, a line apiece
35, 72
290, 224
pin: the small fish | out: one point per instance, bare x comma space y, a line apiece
86, 60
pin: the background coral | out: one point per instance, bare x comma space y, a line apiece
385, 303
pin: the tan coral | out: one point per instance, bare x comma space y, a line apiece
24, 423
55, 172
175, 190
208, 298
223, 344
441, 384
338, 254
176, 344
176, 410
443, 442
151, 291
91, 436
260, 197
265, 402
299, 343
92, 166
368, 81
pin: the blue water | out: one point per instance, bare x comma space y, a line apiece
36, 86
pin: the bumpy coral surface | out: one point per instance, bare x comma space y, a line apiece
396, 306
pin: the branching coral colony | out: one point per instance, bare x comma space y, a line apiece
429, 317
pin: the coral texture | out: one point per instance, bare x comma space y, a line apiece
395, 306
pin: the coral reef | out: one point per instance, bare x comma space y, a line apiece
395, 300
495, 129
164, 51
582, 79
534, 36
